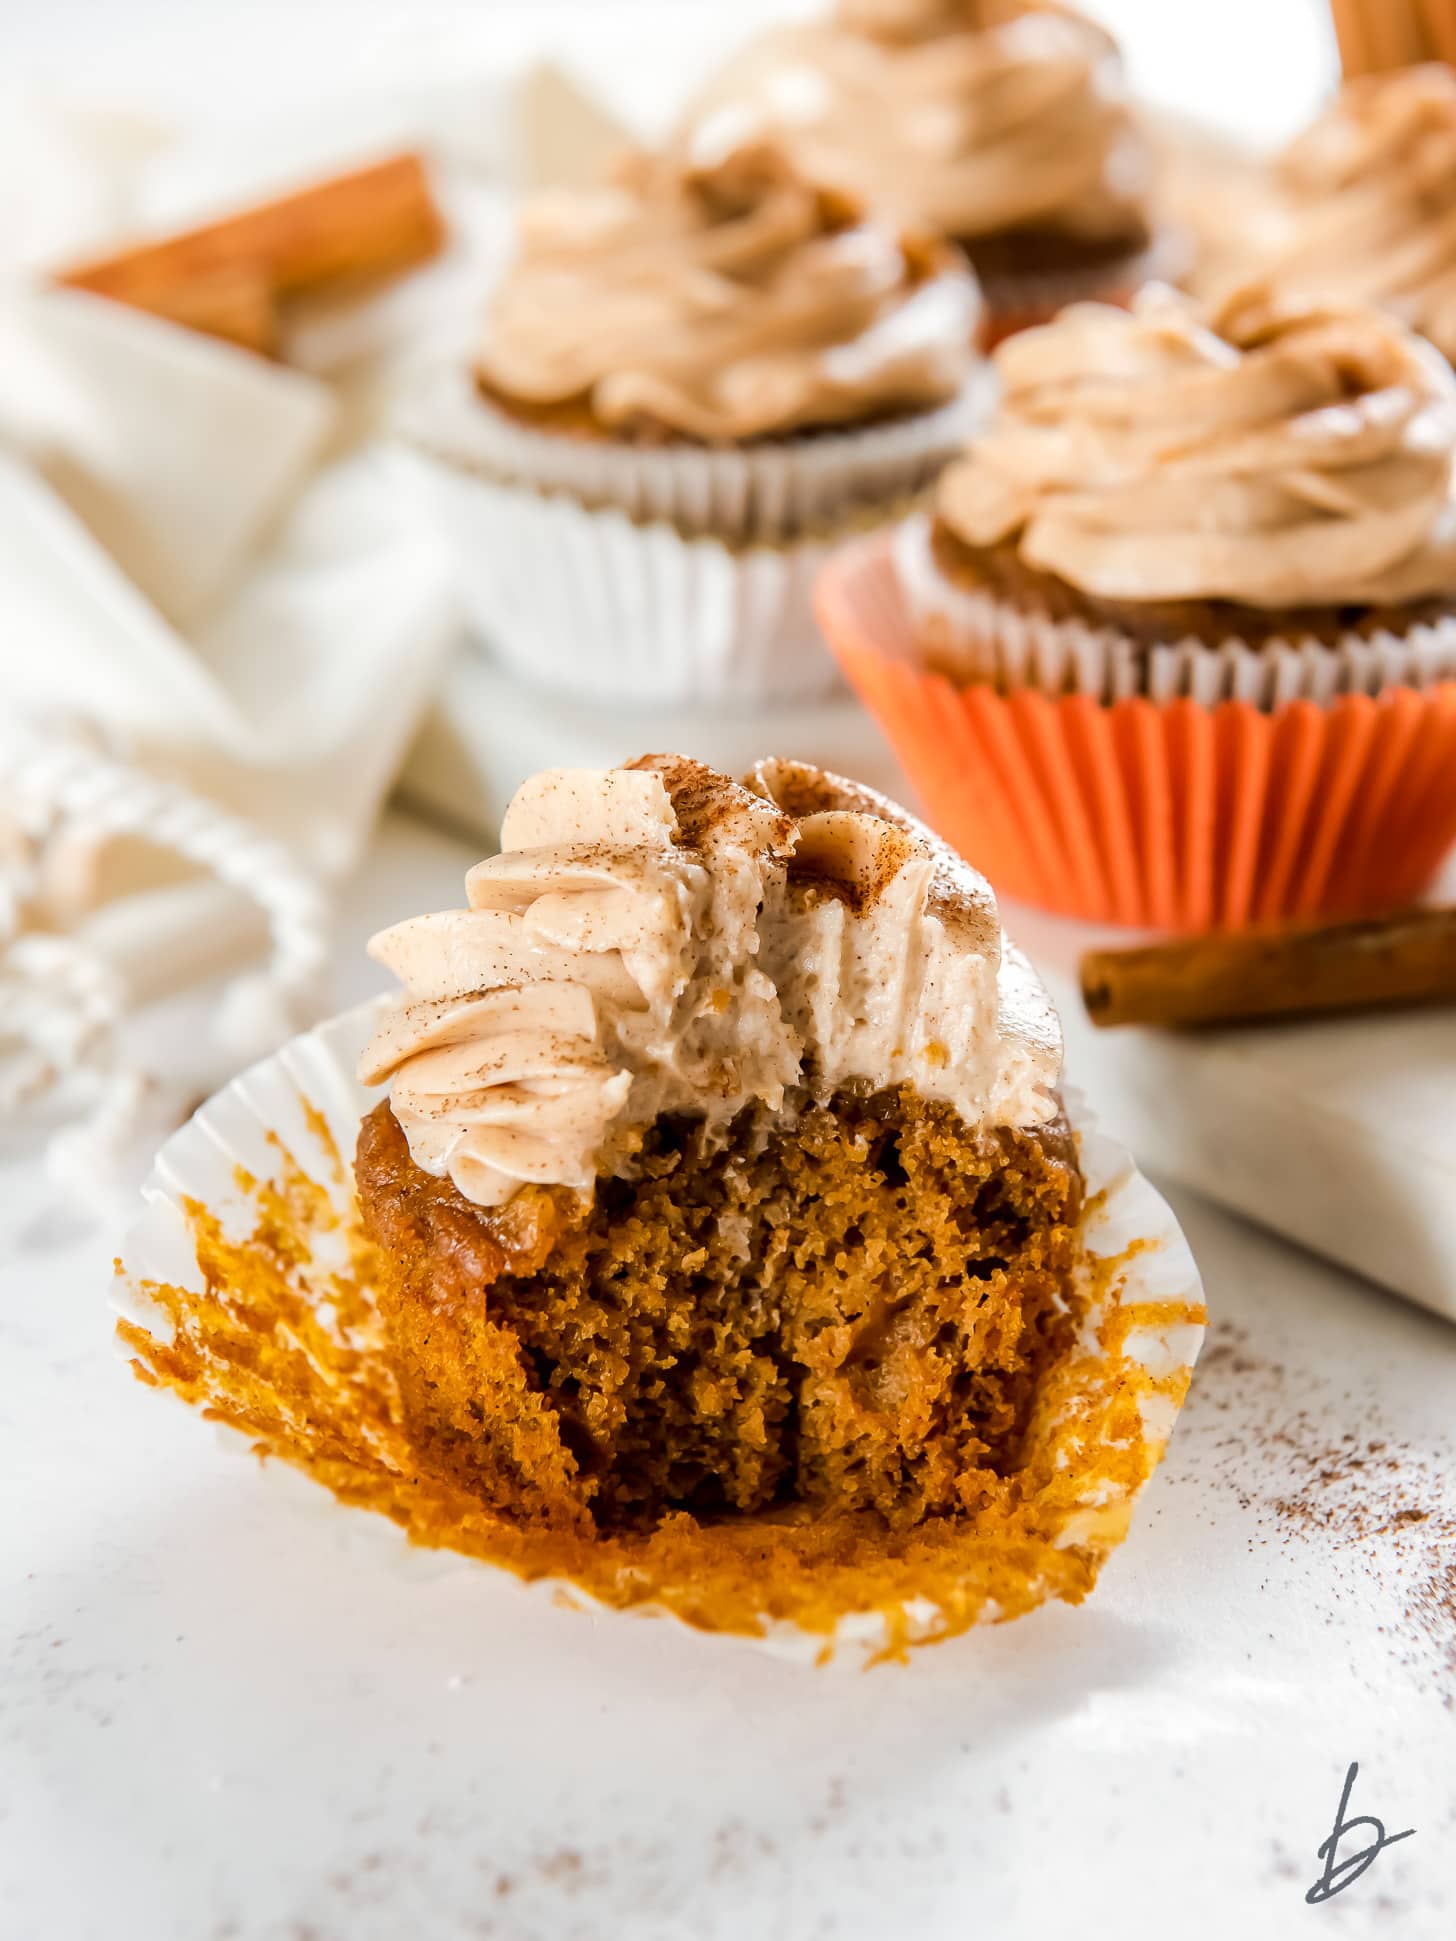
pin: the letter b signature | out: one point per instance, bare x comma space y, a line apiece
1342, 1873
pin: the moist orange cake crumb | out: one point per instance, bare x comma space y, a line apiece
848, 1311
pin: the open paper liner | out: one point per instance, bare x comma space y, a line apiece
976, 638
1178, 814
246, 1289
592, 603
777, 489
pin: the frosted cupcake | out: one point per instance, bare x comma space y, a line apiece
1003, 127
729, 1249
1370, 203
1223, 553
691, 381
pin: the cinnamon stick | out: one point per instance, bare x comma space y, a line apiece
1408, 958
234, 305
1375, 35
226, 276
1351, 35
1438, 21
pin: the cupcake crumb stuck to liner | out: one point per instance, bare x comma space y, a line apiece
1178, 644
437, 1331
692, 380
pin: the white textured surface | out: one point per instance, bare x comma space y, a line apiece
227, 1713
1339, 1132
487, 732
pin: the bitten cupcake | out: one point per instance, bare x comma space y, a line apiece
1002, 126
692, 381
727, 1246
1369, 213
1188, 606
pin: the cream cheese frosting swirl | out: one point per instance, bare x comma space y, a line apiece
728, 300
1371, 202
1278, 456
956, 119
659, 939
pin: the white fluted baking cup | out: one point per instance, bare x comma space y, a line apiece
979, 638
268, 1155
772, 490
591, 602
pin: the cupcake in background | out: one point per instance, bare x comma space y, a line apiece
1368, 209
1222, 199
1177, 644
1003, 127
693, 380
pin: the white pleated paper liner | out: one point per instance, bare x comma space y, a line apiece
589, 602
978, 638
1111, 1420
769, 491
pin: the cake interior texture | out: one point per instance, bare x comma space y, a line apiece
842, 1307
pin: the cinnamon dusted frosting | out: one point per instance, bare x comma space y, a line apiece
1371, 190
1276, 456
659, 939
966, 120
724, 301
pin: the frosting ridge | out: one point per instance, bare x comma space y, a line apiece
725, 299
967, 121
670, 941
1273, 454
1370, 189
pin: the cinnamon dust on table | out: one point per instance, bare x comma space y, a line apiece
1327, 1477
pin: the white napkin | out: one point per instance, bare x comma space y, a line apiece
177, 452
147, 461
206, 560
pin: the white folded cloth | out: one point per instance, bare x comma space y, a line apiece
222, 611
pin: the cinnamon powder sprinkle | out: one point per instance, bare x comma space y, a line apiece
1325, 1474
283, 1342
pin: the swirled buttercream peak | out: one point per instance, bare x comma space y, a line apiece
659, 939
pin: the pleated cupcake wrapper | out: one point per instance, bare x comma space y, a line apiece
767, 492
590, 602
304, 1102
977, 638
1186, 813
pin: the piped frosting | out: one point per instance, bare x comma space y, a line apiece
659, 939
967, 120
1370, 213
725, 300
1279, 455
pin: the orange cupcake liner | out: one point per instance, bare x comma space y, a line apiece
1175, 815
